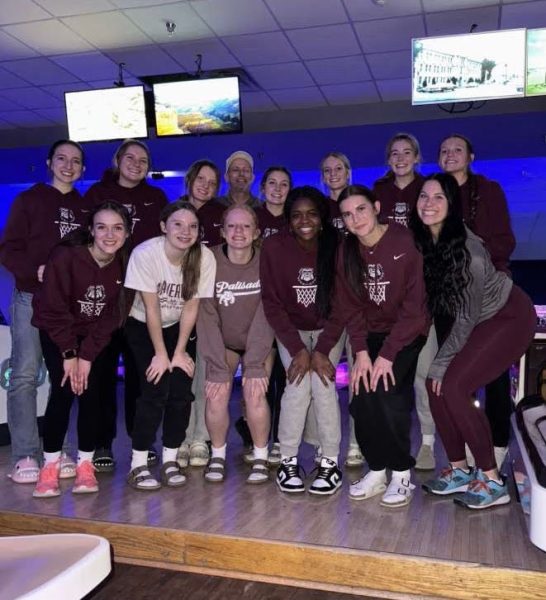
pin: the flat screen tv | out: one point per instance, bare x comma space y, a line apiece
472, 66
106, 114
197, 106
535, 80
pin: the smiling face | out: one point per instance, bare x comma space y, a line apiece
455, 158
276, 187
109, 233
402, 158
181, 231
240, 229
133, 166
239, 175
66, 166
359, 215
304, 222
205, 185
432, 207
335, 174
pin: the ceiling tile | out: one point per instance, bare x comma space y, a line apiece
390, 34
4, 124
390, 65
89, 66
368, 11
394, 89
21, 11
26, 118
287, 75
31, 97
306, 13
135, 3
48, 37
350, 93
108, 83
256, 102
298, 98
59, 89
11, 49
324, 42
460, 21
236, 16
57, 115
532, 14
107, 30
189, 26
65, 8
261, 48
438, 5
39, 71
6, 104
339, 70
215, 54
145, 60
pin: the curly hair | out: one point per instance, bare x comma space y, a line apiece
328, 241
447, 260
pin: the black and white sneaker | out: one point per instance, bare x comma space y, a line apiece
328, 479
289, 476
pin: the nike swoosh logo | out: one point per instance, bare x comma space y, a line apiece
397, 256
118, 282
193, 338
217, 224
148, 203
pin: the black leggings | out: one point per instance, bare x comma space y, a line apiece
170, 399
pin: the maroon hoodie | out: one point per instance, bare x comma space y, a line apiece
39, 217
393, 300
289, 285
77, 304
144, 203
270, 224
397, 204
492, 220
211, 216
335, 215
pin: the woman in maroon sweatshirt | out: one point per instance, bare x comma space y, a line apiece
335, 171
485, 212
380, 296
125, 184
39, 218
76, 310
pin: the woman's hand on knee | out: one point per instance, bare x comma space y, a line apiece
215, 390
159, 364
84, 368
361, 371
323, 367
299, 367
255, 388
183, 361
70, 368
436, 385
382, 369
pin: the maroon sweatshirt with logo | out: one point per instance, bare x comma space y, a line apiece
39, 218
269, 223
397, 204
393, 299
211, 216
78, 300
144, 203
289, 285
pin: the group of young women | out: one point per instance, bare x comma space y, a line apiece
410, 278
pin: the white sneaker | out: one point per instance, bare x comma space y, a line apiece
199, 454
372, 484
183, 455
354, 456
399, 490
289, 476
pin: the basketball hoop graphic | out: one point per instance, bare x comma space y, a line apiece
94, 301
306, 293
401, 213
377, 289
66, 221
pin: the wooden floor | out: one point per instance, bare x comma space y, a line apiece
432, 548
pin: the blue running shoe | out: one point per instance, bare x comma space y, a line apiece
452, 480
484, 493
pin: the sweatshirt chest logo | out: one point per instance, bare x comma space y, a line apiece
269, 231
307, 290
375, 284
400, 214
67, 221
131, 209
227, 292
95, 301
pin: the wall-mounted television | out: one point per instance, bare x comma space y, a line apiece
197, 106
535, 80
468, 67
106, 114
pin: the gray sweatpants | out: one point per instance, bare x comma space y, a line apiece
426, 356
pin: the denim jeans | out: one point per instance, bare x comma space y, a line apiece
25, 363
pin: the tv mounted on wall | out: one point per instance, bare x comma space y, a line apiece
106, 114
468, 67
197, 106
535, 80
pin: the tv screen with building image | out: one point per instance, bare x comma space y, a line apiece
197, 106
535, 80
473, 66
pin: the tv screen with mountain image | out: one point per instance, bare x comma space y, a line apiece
106, 114
473, 66
197, 106
535, 82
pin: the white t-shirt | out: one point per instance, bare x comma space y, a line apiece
149, 270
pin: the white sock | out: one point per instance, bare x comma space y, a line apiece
377, 475
50, 457
401, 475
332, 458
82, 456
428, 439
219, 452
139, 459
260, 453
169, 454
